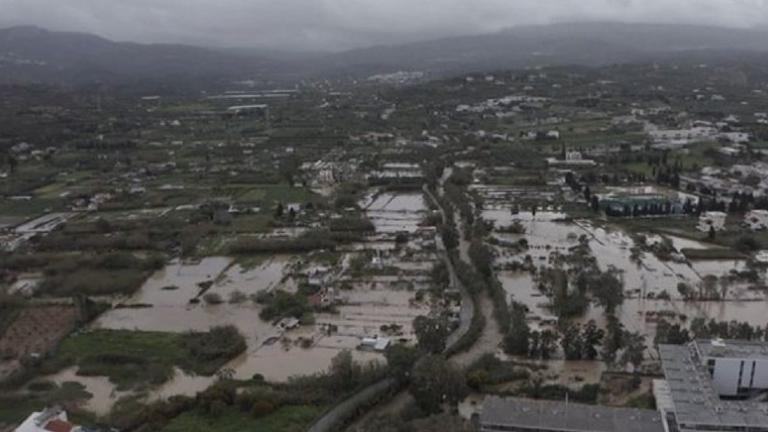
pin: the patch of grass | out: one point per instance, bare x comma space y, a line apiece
94, 282
295, 418
712, 254
643, 401
135, 358
250, 262
13, 410
251, 223
31, 208
269, 195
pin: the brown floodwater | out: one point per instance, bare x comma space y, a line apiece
104, 393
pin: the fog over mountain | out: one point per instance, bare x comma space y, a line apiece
34, 54
310, 25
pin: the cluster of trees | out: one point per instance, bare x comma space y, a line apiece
350, 223
572, 299
455, 191
431, 379
517, 339
488, 370
536, 389
449, 235
565, 302
702, 328
436, 382
280, 304
431, 333
214, 347
113, 273
622, 347
582, 343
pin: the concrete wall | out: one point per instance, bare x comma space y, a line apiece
727, 378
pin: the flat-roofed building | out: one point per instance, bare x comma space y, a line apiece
716, 385
528, 415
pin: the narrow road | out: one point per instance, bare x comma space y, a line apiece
335, 417
467, 311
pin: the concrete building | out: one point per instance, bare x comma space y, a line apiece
572, 158
737, 367
528, 415
715, 385
712, 219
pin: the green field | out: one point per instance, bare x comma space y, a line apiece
132, 358
285, 419
270, 195
13, 410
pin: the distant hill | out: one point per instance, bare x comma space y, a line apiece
556, 44
33, 54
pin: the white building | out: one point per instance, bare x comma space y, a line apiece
49, 420
737, 367
572, 158
711, 219
714, 385
375, 343
756, 219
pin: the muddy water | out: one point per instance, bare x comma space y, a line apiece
370, 305
264, 277
105, 394
182, 384
278, 362
401, 202
103, 391
612, 248
184, 276
521, 287
393, 212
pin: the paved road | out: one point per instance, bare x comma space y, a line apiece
335, 417
467, 311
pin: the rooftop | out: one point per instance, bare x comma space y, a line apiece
695, 399
556, 415
732, 349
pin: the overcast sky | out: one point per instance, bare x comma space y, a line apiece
343, 24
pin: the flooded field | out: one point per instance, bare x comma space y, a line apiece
103, 392
165, 303
395, 212
548, 233
280, 361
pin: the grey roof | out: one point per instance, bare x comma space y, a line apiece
559, 416
733, 349
695, 400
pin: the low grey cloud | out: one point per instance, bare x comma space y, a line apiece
344, 24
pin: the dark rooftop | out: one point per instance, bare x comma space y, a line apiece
558, 415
